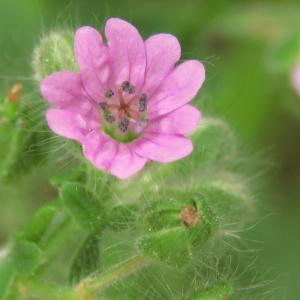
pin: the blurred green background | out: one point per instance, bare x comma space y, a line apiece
249, 49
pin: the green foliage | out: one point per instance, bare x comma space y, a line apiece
40, 224
220, 291
164, 234
26, 257
188, 212
215, 143
84, 207
76, 174
285, 55
7, 274
87, 260
123, 216
169, 245
20, 132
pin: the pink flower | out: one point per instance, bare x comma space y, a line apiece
128, 104
296, 79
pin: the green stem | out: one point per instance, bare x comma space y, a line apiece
46, 291
90, 286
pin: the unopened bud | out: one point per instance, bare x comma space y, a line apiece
15, 92
53, 54
174, 225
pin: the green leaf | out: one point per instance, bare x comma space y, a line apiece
84, 206
53, 54
170, 246
40, 224
7, 274
87, 260
122, 217
48, 228
26, 257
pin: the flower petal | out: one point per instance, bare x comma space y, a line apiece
181, 121
180, 87
100, 149
92, 57
126, 162
63, 90
126, 52
163, 147
163, 51
296, 79
68, 124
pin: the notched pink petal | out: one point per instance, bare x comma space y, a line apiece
163, 147
92, 57
163, 51
126, 162
67, 124
64, 91
126, 52
90, 51
181, 121
180, 87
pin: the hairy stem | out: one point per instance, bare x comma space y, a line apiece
46, 291
90, 286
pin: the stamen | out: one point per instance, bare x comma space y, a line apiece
110, 118
109, 93
131, 90
134, 112
125, 85
124, 112
123, 125
143, 103
113, 106
132, 100
103, 105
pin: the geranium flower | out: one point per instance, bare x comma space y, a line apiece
128, 103
296, 79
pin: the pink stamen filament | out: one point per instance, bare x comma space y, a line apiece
133, 100
132, 111
113, 106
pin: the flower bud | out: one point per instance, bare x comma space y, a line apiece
53, 54
175, 224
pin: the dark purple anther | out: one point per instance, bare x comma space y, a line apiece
131, 90
123, 125
143, 103
110, 118
109, 93
103, 105
125, 85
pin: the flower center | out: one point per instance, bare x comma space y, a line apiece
124, 113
